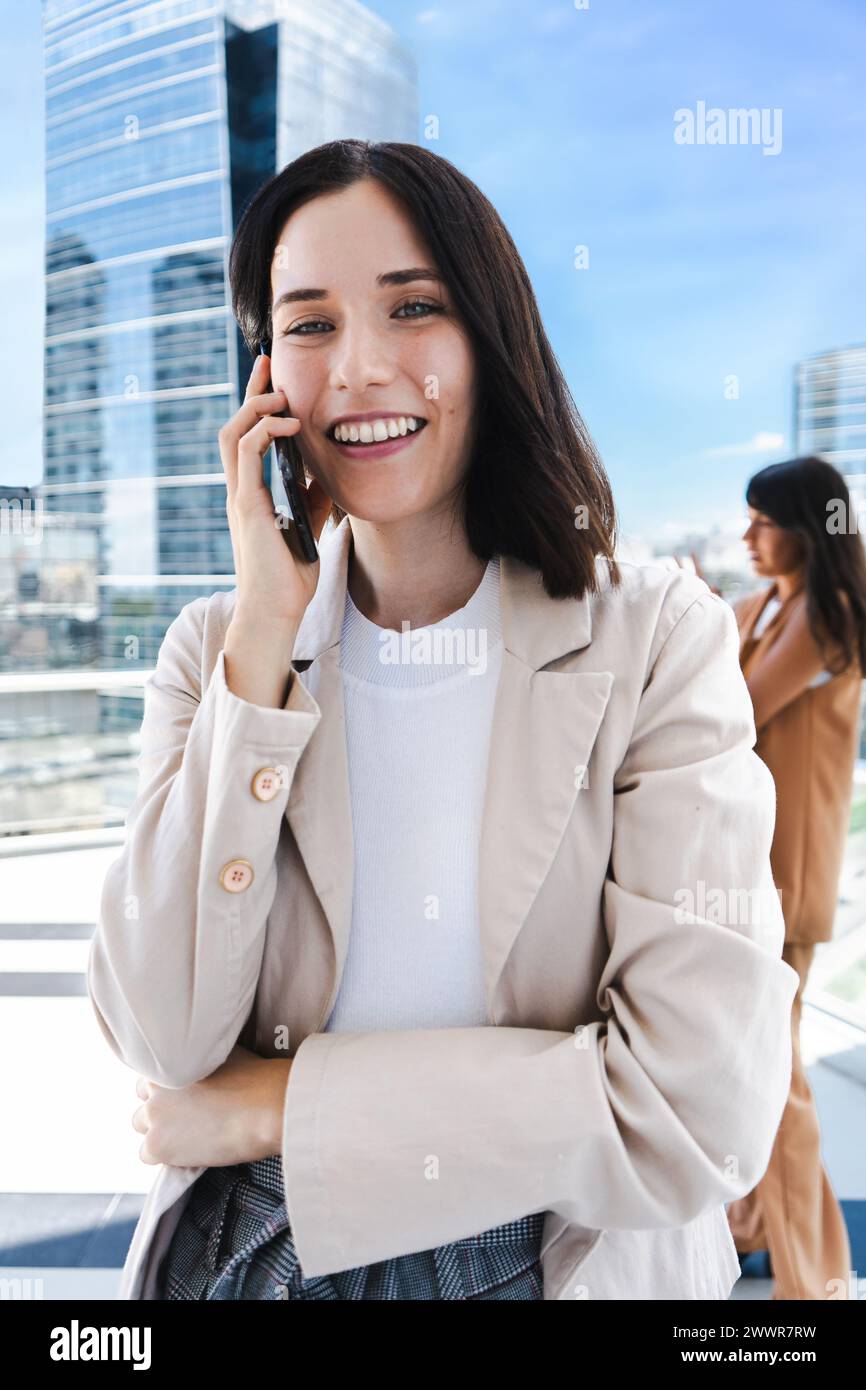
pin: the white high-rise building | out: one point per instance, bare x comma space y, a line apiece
830, 410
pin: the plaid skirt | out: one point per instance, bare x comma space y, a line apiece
234, 1242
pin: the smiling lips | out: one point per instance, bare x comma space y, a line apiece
376, 438
366, 429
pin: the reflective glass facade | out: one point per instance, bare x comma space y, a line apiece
161, 121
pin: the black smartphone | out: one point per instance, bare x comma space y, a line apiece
292, 473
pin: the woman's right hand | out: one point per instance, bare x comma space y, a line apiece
274, 582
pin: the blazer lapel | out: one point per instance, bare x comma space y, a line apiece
319, 808
544, 726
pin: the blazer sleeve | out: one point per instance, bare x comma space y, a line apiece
788, 668
666, 1107
175, 958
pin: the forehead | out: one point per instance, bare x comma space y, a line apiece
346, 237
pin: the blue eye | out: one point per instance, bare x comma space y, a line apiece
428, 306
308, 323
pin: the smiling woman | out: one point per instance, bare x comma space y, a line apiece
372, 341
414, 1002
390, 287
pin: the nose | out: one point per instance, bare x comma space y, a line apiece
360, 358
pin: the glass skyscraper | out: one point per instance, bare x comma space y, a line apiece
161, 120
830, 411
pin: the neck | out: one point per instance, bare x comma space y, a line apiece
791, 583
418, 570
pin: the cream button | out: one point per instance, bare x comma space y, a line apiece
266, 783
236, 875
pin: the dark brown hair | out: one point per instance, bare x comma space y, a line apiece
535, 487
804, 495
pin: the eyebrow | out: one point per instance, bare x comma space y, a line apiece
388, 277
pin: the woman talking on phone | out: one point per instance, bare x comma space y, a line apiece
427, 938
803, 654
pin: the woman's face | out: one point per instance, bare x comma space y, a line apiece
773, 550
364, 345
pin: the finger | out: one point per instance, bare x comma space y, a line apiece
142, 1088
139, 1121
263, 403
259, 376
240, 423
252, 449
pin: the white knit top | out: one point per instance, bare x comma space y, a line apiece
418, 711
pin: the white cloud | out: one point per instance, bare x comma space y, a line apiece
764, 442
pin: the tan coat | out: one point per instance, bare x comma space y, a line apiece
637, 1057
808, 737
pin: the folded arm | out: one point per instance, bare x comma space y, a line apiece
788, 668
403, 1140
175, 957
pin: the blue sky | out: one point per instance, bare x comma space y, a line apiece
705, 261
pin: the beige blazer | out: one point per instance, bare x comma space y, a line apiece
637, 1057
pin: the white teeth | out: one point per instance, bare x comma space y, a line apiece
370, 431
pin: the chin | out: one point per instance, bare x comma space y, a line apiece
380, 506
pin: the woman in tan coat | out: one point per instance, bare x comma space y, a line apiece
803, 654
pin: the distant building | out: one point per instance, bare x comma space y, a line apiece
830, 411
719, 549
161, 121
49, 595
